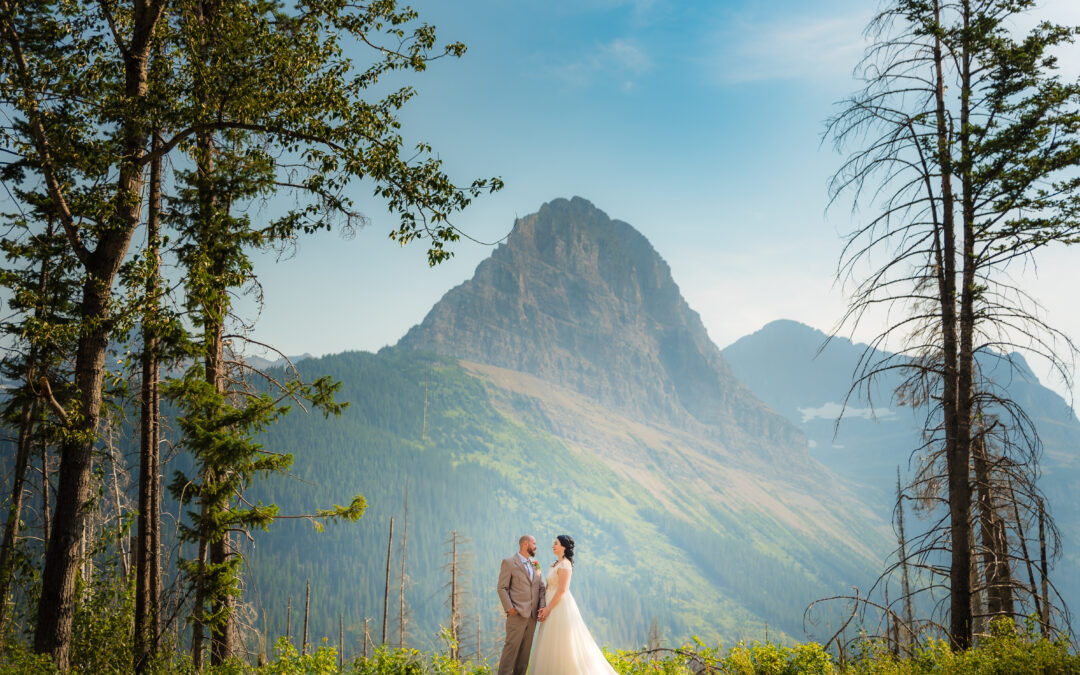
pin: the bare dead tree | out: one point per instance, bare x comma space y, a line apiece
905, 572
423, 423
1015, 512
455, 598
307, 613
457, 589
386, 586
1043, 568
945, 151
401, 596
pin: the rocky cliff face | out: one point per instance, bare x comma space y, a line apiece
581, 300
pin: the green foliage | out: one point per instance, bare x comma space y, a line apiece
20, 659
387, 660
102, 640
755, 658
1006, 651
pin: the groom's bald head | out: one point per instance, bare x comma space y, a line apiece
527, 545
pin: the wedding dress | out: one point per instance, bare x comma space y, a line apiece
563, 644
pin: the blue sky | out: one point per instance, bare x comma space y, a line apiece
697, 122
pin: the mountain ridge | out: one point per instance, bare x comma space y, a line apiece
581, 300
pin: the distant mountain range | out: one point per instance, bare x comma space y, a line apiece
805, 377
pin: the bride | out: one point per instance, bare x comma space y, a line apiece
563, 644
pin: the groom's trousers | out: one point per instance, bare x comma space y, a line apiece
519, 639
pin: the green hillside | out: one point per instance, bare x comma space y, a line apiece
490, 467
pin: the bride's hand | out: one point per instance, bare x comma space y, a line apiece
542, 614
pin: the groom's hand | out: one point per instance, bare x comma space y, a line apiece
512, 612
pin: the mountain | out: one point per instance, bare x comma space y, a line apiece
805, 377
581, 300
263, 363
566, 388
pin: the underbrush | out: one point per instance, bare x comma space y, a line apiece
1008, 650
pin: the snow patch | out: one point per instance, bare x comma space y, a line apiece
831, 411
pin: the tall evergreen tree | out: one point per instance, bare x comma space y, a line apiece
273, 85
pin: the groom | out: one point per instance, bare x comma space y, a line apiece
521, 590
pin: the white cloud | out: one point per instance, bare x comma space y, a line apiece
831, 411
770, 47
789, 48
625, 55
620, 60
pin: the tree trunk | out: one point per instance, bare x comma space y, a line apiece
1043, 568
995, 560
46, 499
23, 444
386, 587
956, 445
307, 615
197, 623
962, 634
455, 609
978, 593
18, 480
147, 568
1024, 551
114, 457
56, 607
905, 575
401, 595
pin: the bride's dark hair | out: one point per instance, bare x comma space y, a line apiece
568, 547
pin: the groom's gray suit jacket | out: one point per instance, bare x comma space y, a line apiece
517, 592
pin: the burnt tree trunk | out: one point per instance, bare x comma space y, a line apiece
386, 587
307, 616
995, 559
401, 594
956, 444
1043, 568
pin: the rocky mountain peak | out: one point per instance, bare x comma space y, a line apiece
581, 300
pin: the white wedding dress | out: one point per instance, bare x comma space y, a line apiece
563, 644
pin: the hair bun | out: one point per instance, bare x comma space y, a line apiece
567, 543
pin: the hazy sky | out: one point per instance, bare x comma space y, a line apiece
697, 122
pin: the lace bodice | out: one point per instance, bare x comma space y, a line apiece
552, 578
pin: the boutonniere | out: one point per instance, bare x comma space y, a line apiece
535, 564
